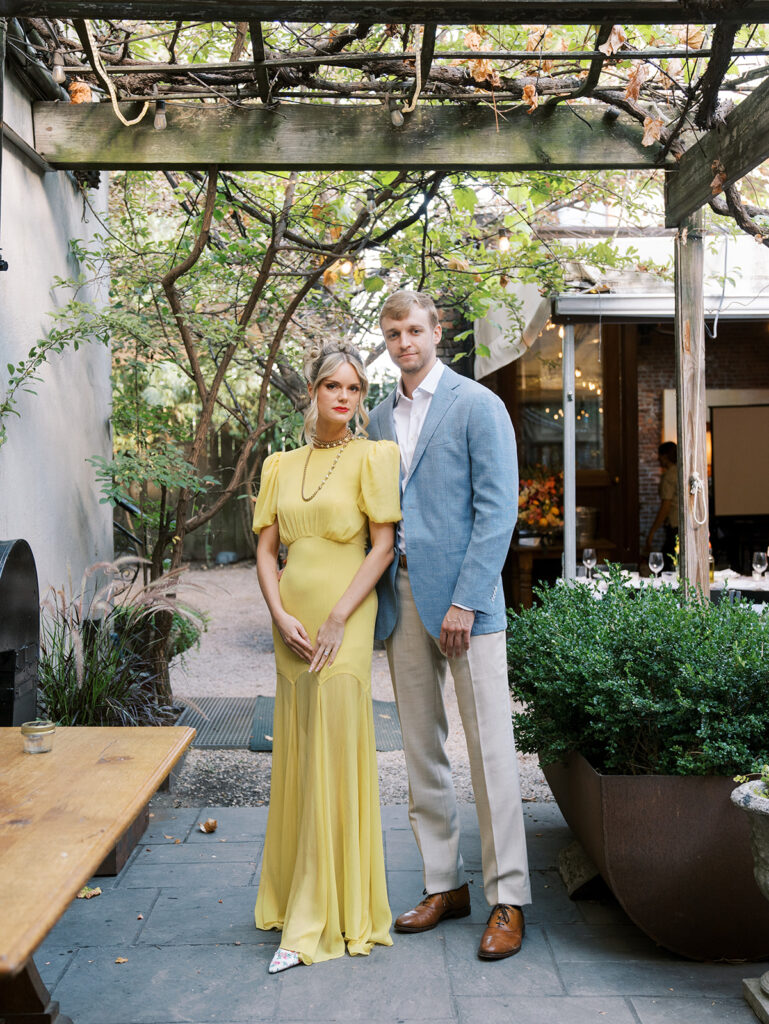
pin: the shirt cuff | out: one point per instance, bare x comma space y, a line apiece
463, 607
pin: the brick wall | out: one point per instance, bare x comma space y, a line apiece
453, 322
737, 358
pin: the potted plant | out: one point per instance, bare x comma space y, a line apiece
641, 706
753, 797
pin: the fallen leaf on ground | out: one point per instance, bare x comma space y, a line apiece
209, 825
88, 893
122, 960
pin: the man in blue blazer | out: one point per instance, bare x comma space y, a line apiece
442, 610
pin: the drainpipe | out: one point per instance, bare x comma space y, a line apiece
569, 458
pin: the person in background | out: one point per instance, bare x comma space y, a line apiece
667, 513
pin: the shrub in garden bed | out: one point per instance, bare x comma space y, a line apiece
93, 667
641, 682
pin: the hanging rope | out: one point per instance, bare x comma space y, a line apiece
697, 490
99, 69
410, 106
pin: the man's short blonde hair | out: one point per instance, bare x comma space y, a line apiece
400, 304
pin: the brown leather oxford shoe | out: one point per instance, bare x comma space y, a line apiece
432, 909
504, 933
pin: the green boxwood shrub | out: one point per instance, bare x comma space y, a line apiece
642, 682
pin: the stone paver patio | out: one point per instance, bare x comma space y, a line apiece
181, 914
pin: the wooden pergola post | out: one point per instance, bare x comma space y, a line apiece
691, 410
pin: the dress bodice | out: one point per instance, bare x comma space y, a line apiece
362, 486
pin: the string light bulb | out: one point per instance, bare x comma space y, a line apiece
160, 122
58, 68
345, 267
371, 201
397, 118
504, 240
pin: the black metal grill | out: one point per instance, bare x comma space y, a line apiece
19, 632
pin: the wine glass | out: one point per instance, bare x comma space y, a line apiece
589, 560
656, 563
759, 563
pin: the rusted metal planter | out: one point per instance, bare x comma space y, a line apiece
675, 852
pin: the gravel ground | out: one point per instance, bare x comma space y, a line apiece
235, 660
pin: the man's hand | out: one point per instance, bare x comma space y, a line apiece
455, 631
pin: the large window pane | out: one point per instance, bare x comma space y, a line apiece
541, 392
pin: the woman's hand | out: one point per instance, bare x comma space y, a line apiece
294, 636
330, 636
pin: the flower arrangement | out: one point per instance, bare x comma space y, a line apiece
540, 500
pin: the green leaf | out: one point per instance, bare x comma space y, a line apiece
465, 199
483, 350
373, 284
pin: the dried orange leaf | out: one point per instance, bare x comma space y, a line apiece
79, 92
616, 39
718, 182
538, 37
692, 36
122, 960
457, 263
209, 825
473, 40
636, 79
652, 129
88, 893
530, 97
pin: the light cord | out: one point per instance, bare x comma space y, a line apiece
99, 68
411, 105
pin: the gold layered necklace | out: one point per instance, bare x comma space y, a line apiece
341, 444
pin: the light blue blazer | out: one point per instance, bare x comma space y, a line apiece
460, 506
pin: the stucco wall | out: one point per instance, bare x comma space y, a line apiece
48, 492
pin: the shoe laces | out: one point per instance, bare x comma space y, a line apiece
502, 913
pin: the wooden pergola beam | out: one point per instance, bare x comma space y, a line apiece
444, 12
728, 153
339, 137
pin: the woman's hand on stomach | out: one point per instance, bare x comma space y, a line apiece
330, 636
294, 636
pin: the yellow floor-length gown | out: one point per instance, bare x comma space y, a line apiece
323, 876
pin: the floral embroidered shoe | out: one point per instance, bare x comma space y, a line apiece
283, 959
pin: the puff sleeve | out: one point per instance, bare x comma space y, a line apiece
380, 483
266, 507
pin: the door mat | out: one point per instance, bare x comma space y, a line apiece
221, 723
387, 728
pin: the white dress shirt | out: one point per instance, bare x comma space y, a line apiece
409, 416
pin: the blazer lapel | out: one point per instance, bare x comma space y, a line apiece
443, 399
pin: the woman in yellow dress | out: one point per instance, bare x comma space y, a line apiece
333, 503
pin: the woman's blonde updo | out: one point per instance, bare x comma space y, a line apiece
321, 362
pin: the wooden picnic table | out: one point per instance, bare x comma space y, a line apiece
60, 814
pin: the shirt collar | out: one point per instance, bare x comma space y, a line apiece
427, 386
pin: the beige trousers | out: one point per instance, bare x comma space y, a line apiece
420, 671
